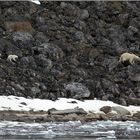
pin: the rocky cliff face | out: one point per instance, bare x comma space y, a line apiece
70, 49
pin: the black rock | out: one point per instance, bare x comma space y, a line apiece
79, 36
40, 21
77, 90
23, 39
84, 14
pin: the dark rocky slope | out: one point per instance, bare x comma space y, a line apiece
70, 49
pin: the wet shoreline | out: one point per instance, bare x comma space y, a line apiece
43, 116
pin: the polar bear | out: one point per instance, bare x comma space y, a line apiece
12, 58
129, 57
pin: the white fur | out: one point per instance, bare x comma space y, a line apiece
12, 58
129, 57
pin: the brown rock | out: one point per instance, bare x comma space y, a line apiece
128, 118
104, 117
113, 116
18, 26
137, 115
92, 117
105, 109
72, 117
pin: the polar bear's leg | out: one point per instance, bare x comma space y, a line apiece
131, 60
120, 60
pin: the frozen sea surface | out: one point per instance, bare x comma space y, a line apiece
100, 130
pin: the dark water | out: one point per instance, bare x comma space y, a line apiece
70, 130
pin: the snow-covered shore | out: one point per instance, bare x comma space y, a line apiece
35, 1
23, 104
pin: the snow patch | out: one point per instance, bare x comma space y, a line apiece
35, 1
24, 104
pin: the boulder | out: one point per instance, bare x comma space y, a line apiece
137, 115
77, 90
106, 109
23, 39
120, 110
67, 111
